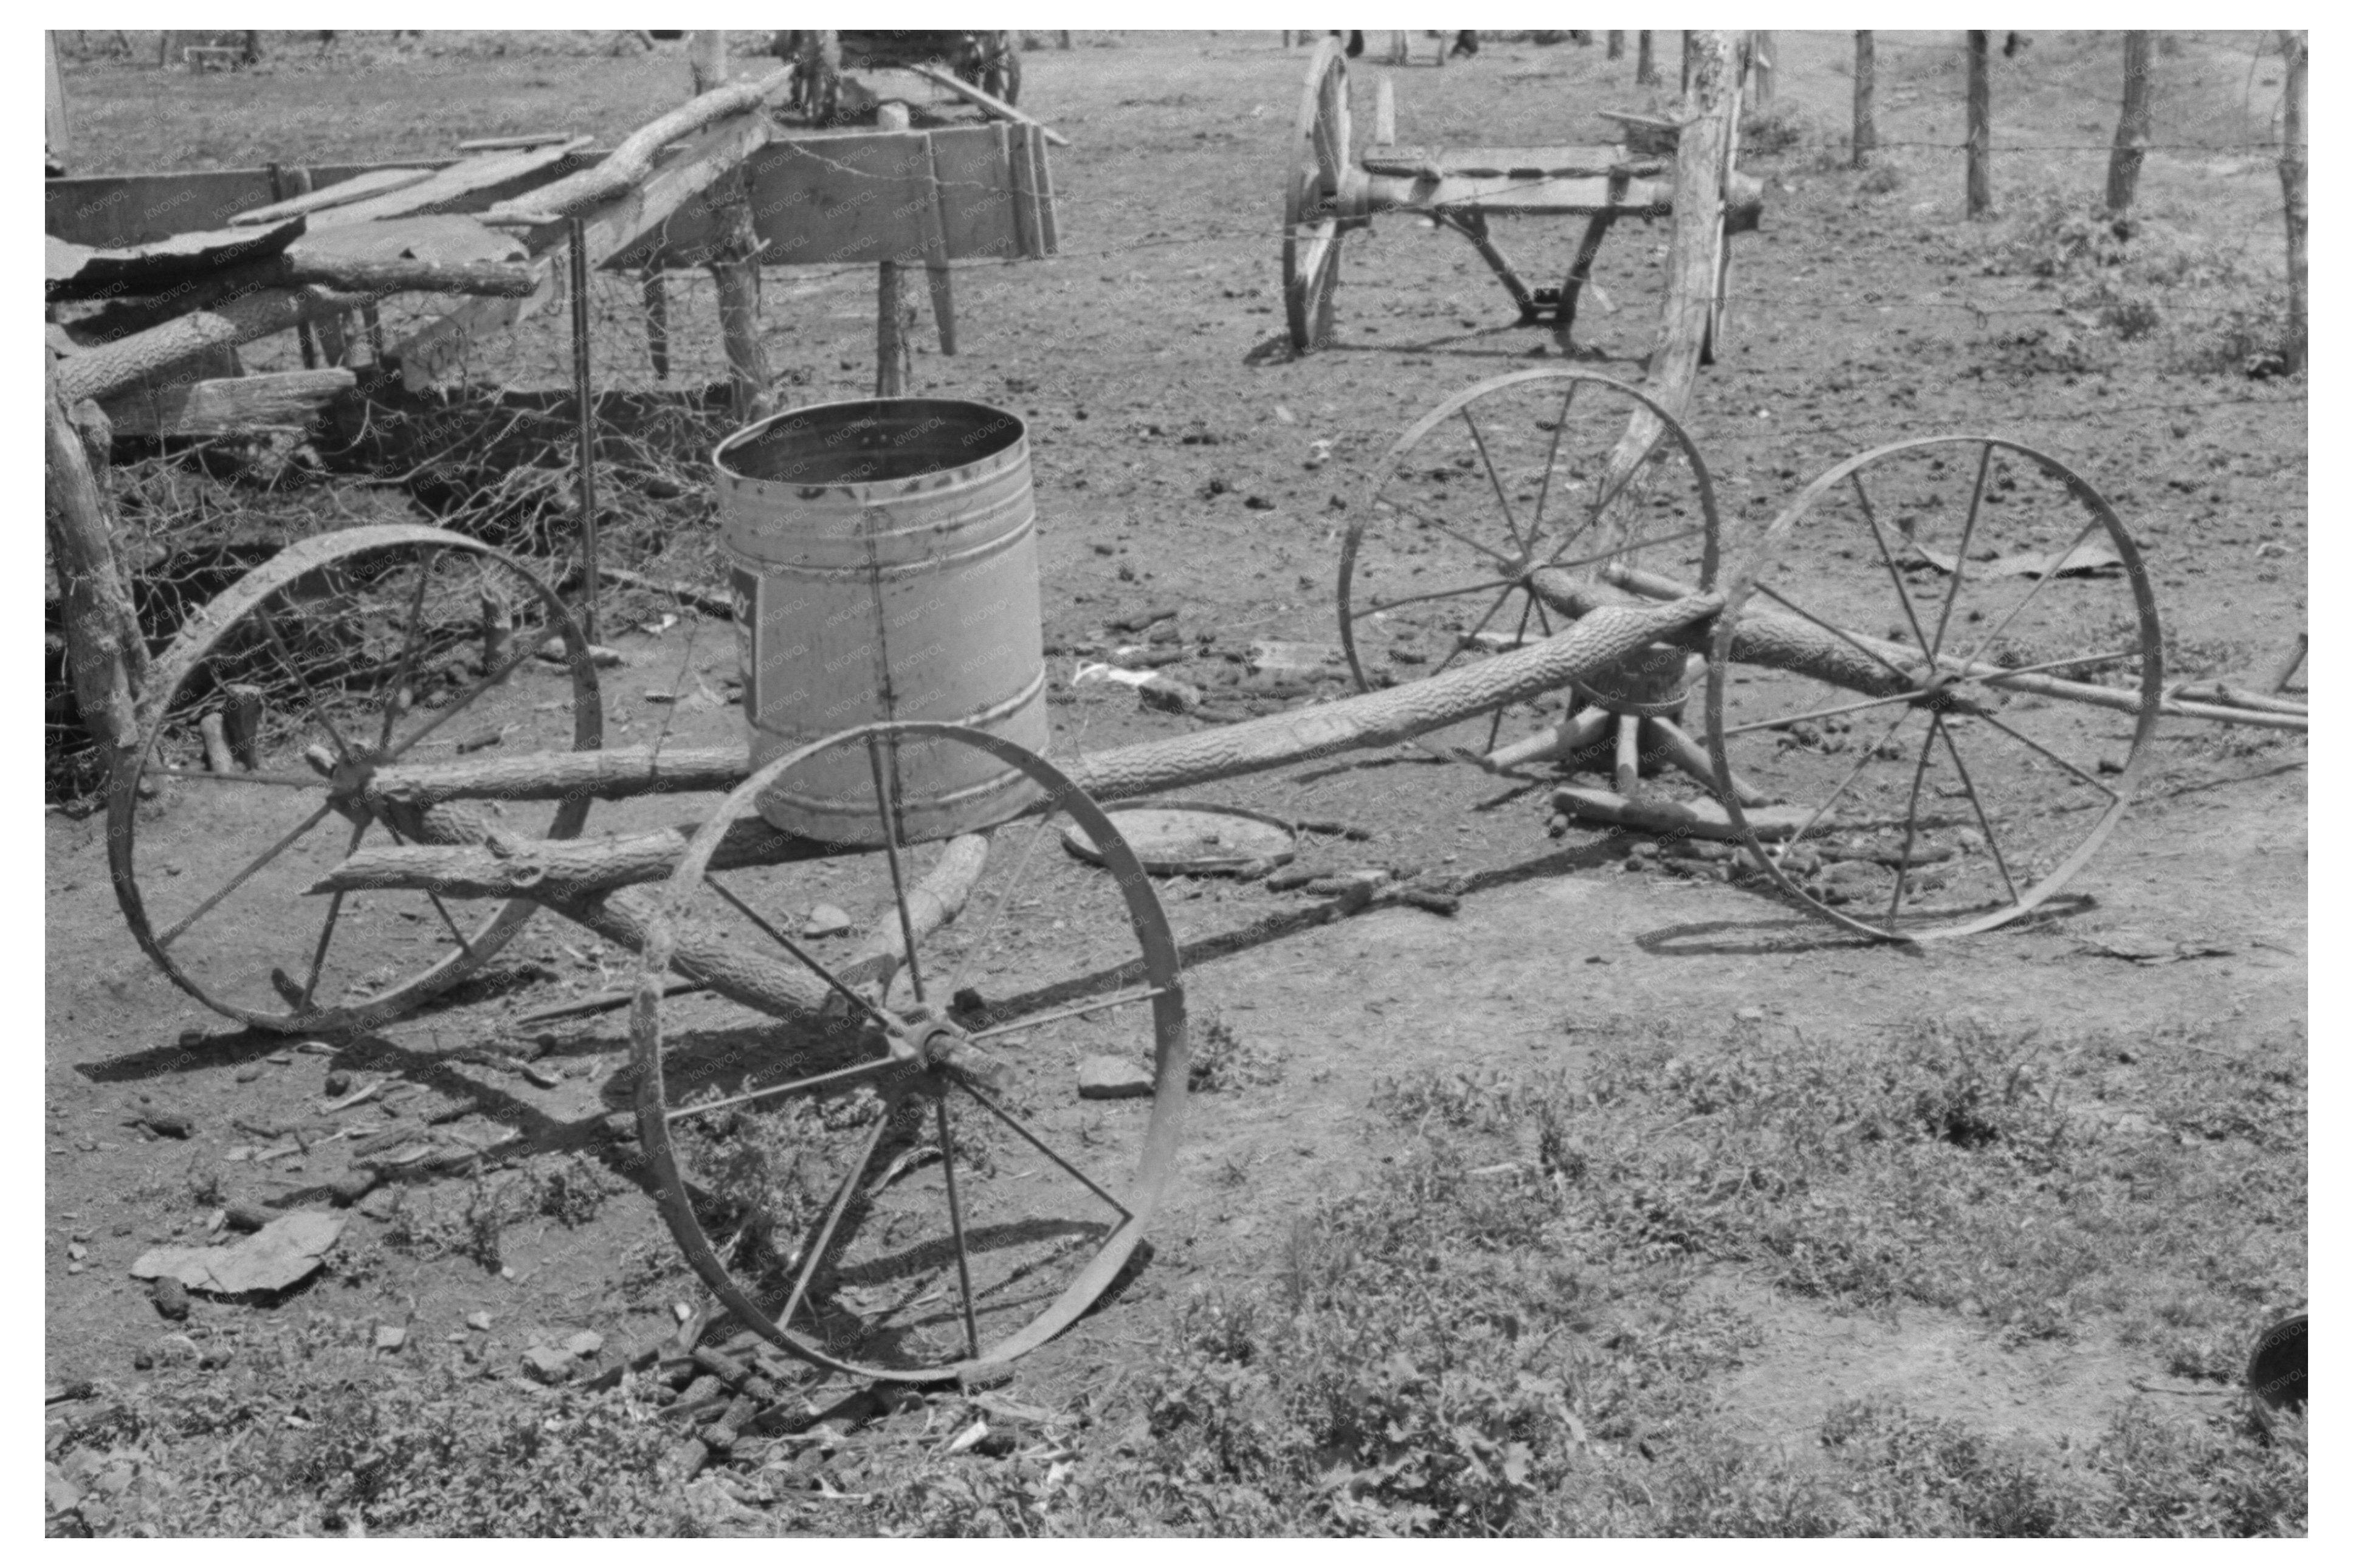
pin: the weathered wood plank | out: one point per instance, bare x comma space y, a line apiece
1511, 162
375, 183
110, 211
282, 400
79, 272
471, 186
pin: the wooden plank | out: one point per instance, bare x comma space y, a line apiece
502, 143
286, 399
375, 183
76, 272
469, 186
1511, 163
995, 107
976, 214
1041, 169
1543, 198
829, 201
110, 211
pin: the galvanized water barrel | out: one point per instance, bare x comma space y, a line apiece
884, 559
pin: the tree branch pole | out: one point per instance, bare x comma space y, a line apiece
1866, 89
894, 313
2132, 126
584, 402
1980, 132
106, 655
734, 266
2293, 170
1646, 70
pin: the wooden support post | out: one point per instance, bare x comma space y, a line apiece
1580, 270
1683, 84
1646, 71
56, 132
2132, 126
2293, 169
1981, 130
1760, 68
285, 183
895, 316
1628, 773
737, 274
584, 402
1617, 45
657, 304
1384, 114
935, 254
1866, 88
706, 59
106, 657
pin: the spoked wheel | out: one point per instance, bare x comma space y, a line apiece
1311, 230
1557, 472
1997, 666
906, 1186
352, 650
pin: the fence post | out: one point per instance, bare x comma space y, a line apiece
2132, 125
1617, 45
894, 314
106, 655
1646, 74
1760, 64
1867, 128
2292, 166
1981, 135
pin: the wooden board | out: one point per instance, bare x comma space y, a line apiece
289, 399
79, 272
445, 236
374, 183
111, 211
1511, 163
474, 185
1532, 198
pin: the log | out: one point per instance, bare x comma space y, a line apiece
1694, 819
106, 655
617, 775
117, 366
633, 160
1866, 87
283, 400
996, 107
2132, 125
933, 901
1979, 137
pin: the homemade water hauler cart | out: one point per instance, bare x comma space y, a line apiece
1927, 688
1328, 192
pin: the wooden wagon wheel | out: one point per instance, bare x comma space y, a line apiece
910, 1188
1995, 610
341, 653
1557, 470
1311, 230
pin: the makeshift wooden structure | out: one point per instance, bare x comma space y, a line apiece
959, 1206
1329, 192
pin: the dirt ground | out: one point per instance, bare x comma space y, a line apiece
1176, 447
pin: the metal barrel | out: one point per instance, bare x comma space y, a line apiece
883, 554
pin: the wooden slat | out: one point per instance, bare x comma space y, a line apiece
1542, 198
977, 215
502, 143
286, 399
375, 183
453, 188
111, 211
1511, 163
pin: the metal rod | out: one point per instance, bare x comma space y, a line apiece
580, 393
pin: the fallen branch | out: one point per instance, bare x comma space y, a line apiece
633, 160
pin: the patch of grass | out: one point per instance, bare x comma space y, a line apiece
1224, 1059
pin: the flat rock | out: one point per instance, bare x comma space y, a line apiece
390, 1336
286, 1250
547, 1365
1112, 1078
1268, 657
826, 919
585, 1344
1169, 695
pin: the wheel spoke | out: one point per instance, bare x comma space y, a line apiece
1818, 713
407, 649
2049, 572
1996, 678
1888, 559
431, 897
1500, 559
1847, 782
1985, 824
252, 866
272, 780
1615, 550
524, 649
1379, 606
1633, 470
1479, 440
1471, 638
2029, 742
1015, 1122
1519, 635
286, 657
1961, 557
1552, 455
1912, 814
956, 1224
1076, 1010
840, 1078
790, 946
1842, 634
327, 928
886, 801
823, 1240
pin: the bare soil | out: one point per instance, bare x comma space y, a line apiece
1172, 434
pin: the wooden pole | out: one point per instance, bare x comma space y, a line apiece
106, 657
1646, 71
657, 305
584, 402
1760, 68
894, 314
1866, 87
1617, 45
2132, 125
56, 132
2293, 171
1684, 82
706, 58
1981, 133
735, 265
